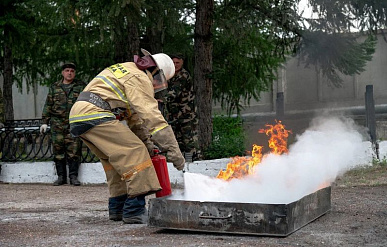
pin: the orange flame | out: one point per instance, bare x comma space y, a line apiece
278, 137
243, 166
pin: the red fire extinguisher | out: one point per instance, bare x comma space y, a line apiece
160, 163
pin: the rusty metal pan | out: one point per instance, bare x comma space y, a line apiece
239, 218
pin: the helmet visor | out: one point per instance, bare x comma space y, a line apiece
159, 81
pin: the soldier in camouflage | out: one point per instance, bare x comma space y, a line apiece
2, 120
61, 97
178, 107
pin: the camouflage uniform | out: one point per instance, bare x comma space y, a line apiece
2, 120
59, 101
180, 110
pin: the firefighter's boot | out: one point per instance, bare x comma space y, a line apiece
134, 211
116, 206
60, 166
73, 172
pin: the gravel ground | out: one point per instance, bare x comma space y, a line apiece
44, 215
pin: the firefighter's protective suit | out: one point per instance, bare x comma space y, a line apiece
123, 151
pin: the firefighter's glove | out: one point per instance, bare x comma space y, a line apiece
43, 128
120, 113
151, 147
177, 160
166, 141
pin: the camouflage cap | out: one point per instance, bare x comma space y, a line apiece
177, 55
68, 65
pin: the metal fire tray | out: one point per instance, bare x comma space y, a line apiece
239, 218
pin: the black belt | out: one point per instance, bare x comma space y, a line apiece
95, 99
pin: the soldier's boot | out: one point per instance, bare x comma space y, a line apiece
73, 172
60, 166
74, 181
116, 207
134, 211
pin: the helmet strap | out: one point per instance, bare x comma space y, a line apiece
155, 70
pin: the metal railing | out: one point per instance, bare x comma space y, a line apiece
20, 140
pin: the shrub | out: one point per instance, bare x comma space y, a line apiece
228, 138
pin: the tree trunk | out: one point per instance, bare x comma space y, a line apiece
120, 44
155, 32
126, 46
133, 41
8, 77
203, 69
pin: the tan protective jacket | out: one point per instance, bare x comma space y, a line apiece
124, 85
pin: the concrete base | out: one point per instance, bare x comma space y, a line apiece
93, 173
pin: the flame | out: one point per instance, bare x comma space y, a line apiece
323, 185
243, 166
278, 137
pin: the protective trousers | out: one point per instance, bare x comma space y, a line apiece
125, 159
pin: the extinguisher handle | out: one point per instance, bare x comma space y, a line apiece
157, 151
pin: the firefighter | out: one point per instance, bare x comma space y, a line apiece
125, 91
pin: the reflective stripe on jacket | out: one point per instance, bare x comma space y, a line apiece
80, 124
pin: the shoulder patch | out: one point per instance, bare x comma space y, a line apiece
118, 70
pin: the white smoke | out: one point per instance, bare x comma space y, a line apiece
327, 149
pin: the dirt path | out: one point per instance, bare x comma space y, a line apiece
43, 215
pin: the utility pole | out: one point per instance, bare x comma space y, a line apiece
280, 105
370, 118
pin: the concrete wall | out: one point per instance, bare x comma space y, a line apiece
28, 103
307, 94
305, 89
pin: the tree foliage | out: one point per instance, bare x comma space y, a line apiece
346, 57
16, 38
91, 34
330, 38
251, 40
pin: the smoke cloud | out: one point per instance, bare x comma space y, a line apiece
327, 149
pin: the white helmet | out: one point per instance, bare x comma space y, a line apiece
163, 62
